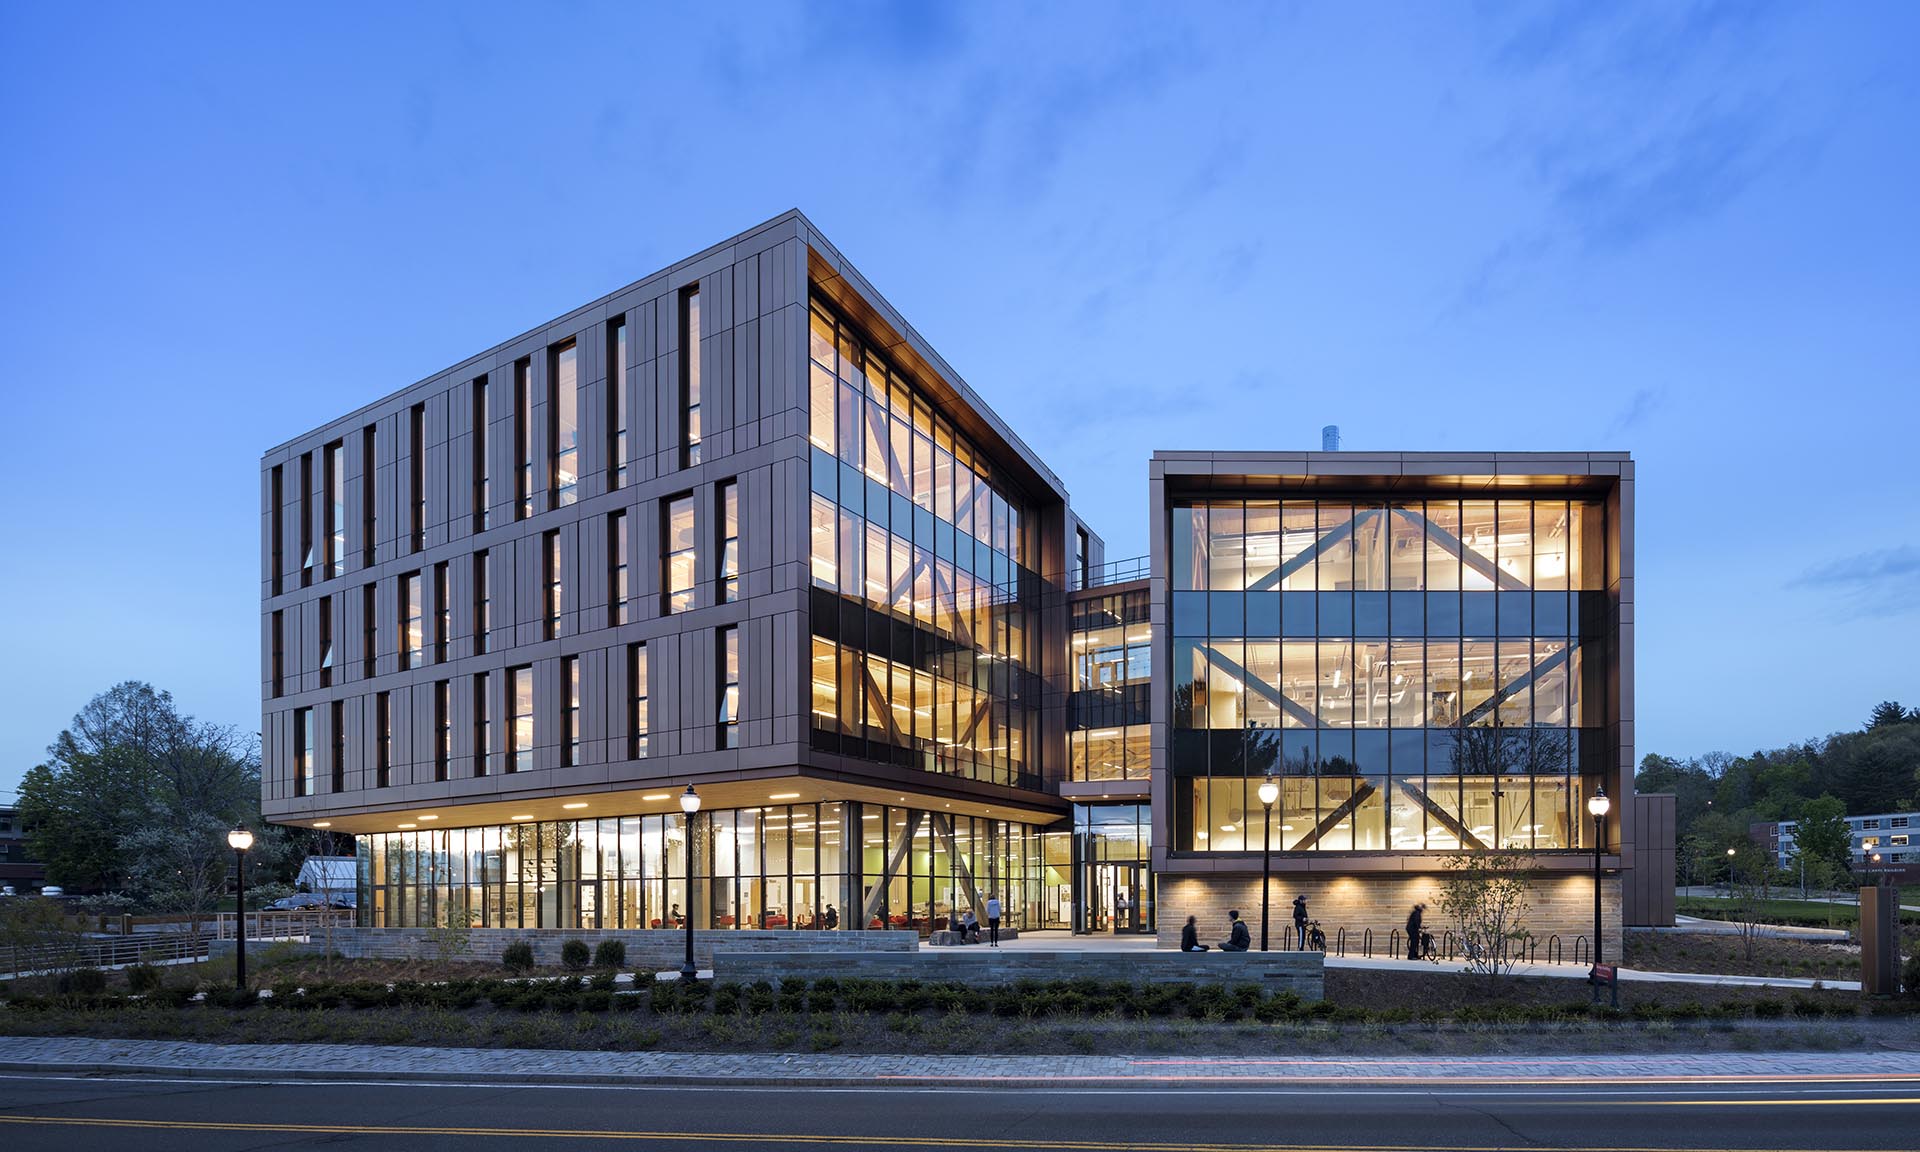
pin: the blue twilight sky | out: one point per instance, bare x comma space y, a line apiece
1685, 230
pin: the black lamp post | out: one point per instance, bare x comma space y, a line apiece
1269, 792
240, 839
690, 804
1599, 806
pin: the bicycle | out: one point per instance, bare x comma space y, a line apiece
1428, 951
1316, 939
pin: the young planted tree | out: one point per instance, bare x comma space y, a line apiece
1488, 895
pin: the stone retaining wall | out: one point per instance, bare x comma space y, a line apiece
1301, 973
647, 949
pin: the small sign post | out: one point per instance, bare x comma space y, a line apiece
1608, 975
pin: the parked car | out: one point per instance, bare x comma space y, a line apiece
298, 902
347, 900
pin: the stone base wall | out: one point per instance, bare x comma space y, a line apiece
1301, 973
647, 949
1562, 906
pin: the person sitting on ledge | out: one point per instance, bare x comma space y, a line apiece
1190, 938
1238, 938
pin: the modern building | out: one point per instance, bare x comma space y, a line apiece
737, 526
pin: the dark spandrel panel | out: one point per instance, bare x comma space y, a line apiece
1189, 750
1550, 614
825, 474
1409, 746
1440, 747
853, 490
1227, 613
1370, 751
1370, 613
1300, 752
1299, 619
1516, 613
1263, 614
1478, 614
1443, 613
1336, 750
1190, 613
1226, 752
1336, 614
943, 540
1408, 614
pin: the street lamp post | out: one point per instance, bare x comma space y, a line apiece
1269, 792
690, 804
1599, 805
240, 839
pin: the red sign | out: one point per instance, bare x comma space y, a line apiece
1602, 974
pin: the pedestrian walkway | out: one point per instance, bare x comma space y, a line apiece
1066, 941
43, 1055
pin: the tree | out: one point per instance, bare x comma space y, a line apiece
135, 796
78, 811
1487, 895
1887, 712
1822, 834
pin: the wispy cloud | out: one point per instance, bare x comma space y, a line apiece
1640, 406
1880, 582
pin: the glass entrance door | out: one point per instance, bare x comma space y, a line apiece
1119, 901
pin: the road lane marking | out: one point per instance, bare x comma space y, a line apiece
759, 1138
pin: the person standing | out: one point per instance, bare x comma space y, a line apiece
993, 921
1190, 938
1414, 919
1120, 913
1238, 938
1300, 921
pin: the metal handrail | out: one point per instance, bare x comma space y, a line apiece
104, 952
1112, 572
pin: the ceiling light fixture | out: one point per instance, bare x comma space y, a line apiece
575, 804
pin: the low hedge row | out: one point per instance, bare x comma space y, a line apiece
1028, 999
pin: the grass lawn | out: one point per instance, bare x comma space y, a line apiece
1698, 952
1805, 913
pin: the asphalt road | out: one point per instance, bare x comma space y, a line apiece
71, 1114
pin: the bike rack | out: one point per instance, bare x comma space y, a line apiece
1555, 954
1448, 943
1340, 940
1581, 950
1393, 944
1366, 944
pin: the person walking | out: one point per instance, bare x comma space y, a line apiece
1300, 921
993, 921
1238, 938
1414, 919
1190, 938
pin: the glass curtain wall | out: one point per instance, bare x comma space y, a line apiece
1113, 862
775, 867
1422, 674
924, 601
1112, 672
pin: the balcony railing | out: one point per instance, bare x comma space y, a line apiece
1112, 572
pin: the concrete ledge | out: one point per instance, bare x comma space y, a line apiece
1302, 973
945, 939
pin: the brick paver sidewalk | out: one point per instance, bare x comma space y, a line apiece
469, 1065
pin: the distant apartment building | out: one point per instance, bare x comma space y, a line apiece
18, 870
1893, 837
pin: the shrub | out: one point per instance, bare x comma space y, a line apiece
143, 979
1769, 1009
574, 955
601, 981
1910, 975
518, 956
227, 996
81, 982
610, 954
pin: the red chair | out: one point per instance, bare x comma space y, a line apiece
656, 922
